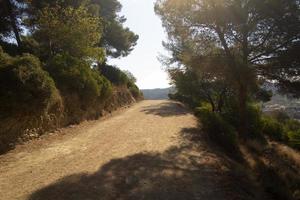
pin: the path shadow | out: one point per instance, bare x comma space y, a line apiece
184, 172
197, 135
166, 109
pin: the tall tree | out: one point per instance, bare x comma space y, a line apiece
247, 33
10, 12
72, 31
117, 39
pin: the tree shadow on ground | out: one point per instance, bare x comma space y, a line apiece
182, 172
166, 109
197, 136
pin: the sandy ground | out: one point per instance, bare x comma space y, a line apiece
143, 152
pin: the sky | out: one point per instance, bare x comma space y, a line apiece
142, 61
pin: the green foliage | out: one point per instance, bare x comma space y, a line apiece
292, 125
194, 87
11, 20
292, 128
254, 125
134, 90
286, 68
294, 138
28, 98
231, 43
273, 129
121, 78
83, 89
69, 30
279, 127
218, 130
5, 59
25, 87
69, 37
116, 39
73, 75
114, 75
130, 76
30, 45
119, 41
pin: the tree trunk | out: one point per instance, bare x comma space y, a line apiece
13, 22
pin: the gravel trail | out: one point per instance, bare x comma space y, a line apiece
143, 152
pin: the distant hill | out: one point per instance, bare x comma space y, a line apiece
158, 93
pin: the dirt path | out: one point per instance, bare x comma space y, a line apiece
145, 152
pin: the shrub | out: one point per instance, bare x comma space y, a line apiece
273, 129
82, 87
292, 128
25, 87
191, 101
293, 131
76, 76
134, 90
255, 123
294, 138
121, 78
218, 130
28, 97
292, 125
114, 75
230, 113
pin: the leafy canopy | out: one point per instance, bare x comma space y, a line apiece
116, 39
237, 42
69, 30
246, 34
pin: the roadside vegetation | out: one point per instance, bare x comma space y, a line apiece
222, 54
53, 69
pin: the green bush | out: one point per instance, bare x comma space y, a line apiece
76, 76
28, 98
273, 129
230, 113
114, 75
135, 92
218, 130
282, 129
83, 89
294, 138
292, 125
255, 123
253, 130
121, 78
24, 86
191, 101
